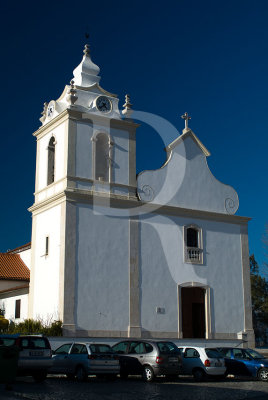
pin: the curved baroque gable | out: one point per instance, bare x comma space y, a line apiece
186, 181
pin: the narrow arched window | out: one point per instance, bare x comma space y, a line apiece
102, 164
51, 161
193, 245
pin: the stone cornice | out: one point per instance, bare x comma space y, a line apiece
120, 201
59, 119
51, 201
81, 179
78, 115
114, 123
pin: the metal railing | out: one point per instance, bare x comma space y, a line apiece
193, 254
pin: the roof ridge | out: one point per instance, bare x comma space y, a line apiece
20, 248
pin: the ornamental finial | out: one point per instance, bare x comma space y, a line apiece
186, 118
127, 112
86, 50
71, 97
43, 113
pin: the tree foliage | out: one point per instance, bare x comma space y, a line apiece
259, 296
265, 244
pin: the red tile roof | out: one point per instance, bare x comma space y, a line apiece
20, 248
12, 267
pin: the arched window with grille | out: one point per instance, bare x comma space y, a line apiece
193, 244
51, 161
102, 157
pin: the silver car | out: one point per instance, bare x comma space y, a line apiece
202, 362
35, 356
82, 359
148, 358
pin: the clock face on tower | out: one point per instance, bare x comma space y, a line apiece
103, 104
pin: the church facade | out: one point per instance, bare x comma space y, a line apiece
160, 255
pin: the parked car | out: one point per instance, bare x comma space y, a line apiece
82, 359
245, 362
202, 362
148, 358
35, 355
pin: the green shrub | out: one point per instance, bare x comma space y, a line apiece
3, 324
31, 326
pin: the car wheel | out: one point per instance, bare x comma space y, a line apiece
148, 374
199, 374
263, 374
81, 374
40, 376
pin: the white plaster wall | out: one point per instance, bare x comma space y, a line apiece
57, 341
120, 157
26, 257
60, 167
84, 150
9, 306
46, 268
163, 269
187, 182
102, 281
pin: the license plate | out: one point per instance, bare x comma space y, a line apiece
36, 353
173, 359
217, 364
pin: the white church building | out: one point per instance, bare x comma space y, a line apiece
158, 255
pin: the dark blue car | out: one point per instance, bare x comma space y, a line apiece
245, 362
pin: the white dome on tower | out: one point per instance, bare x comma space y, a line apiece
86, 73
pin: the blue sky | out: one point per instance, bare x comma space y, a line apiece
209, 58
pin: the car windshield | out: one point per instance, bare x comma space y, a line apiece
254, 354
213, 353
101, 348
167, 347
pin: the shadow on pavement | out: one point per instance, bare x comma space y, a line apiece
134, 388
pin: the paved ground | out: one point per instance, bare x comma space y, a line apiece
59, 388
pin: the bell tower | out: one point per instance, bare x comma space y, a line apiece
86, 152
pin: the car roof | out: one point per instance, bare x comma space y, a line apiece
197, 347
144, 341
89, 343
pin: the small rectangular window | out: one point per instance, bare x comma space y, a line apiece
17, 308
193, 244
47, 244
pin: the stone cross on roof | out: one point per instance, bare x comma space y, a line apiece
186, 118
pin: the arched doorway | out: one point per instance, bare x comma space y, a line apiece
193, 312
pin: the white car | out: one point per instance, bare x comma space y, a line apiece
201, 362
